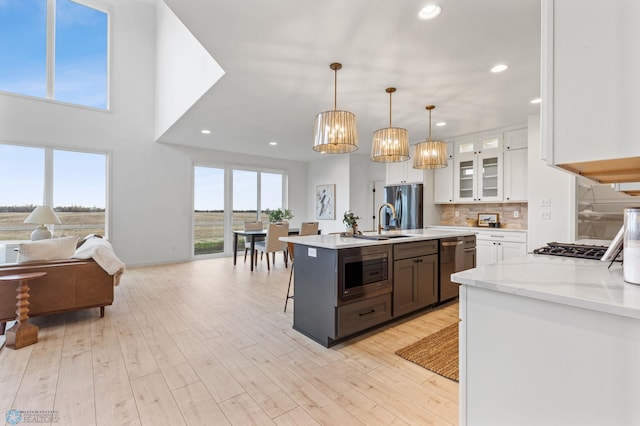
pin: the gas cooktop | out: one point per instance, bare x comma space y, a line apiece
572, 250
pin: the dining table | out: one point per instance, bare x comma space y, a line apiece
252, 236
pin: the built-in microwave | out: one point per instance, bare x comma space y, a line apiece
364, 272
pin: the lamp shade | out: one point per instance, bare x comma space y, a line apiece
390, 145
43, 215
335, 132
430, 155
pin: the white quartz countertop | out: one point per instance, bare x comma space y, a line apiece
581, 283
476, 229
337, 241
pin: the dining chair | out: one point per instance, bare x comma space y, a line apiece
272, 243
255, 225
291, 258
309, 228
306, 228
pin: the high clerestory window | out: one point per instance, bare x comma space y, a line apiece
55, 49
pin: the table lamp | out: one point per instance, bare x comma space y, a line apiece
42, 215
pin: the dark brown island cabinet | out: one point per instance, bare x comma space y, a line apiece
340, 293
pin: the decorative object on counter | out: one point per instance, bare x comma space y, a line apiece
437, 352
391, 144
42, 215
335, 131
325, 202
351, 220
494, 224
430, 154
631, 246
486, 219
472, 222
279, 215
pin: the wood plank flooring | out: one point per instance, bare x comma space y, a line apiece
207, 343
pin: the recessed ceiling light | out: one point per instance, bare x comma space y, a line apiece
536, 101
430, 11
441, 123
272, 143
499, 68
205, 131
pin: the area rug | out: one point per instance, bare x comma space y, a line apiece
437, 352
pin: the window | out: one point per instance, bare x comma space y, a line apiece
208, 200
249, 192
29, 36
74, 183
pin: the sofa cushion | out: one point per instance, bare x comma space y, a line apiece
55, 248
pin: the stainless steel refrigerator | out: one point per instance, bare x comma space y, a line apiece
407, 200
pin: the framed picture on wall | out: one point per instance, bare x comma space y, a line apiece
485, 219
325, 202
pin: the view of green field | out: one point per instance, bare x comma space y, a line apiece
208, 227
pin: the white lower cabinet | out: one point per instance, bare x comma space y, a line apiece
496, 246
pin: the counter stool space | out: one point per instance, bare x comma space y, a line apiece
22, 333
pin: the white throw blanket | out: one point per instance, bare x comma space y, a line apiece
102, 252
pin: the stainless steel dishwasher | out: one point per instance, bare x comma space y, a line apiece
456, 254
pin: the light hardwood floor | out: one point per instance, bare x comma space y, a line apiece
207, 343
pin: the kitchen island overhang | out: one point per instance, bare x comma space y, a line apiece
548, 340
329, 309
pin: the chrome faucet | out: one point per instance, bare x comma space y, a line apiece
393, 214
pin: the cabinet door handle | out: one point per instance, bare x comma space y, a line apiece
367, 313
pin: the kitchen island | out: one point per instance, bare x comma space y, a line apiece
549, 340
345, 285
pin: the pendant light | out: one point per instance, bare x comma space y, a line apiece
335, 131
430, 154
390, 145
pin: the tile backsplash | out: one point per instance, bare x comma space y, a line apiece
448, 215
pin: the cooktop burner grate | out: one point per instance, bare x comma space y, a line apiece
572, 250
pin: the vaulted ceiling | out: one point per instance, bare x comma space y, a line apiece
276, 57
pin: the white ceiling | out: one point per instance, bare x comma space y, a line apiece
276, 56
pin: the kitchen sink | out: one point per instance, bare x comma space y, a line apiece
380, 237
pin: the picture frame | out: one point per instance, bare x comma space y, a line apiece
484, 219
325, 202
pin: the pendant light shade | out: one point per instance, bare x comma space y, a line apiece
430, 154
335, 131
390, 145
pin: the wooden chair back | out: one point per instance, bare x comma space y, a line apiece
274, 232
255, 225
309, 228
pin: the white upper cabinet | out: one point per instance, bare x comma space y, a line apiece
443, 180
516, 139
403, 172
485, 167
591, 85
515, 165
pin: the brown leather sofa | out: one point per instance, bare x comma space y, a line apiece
70, 285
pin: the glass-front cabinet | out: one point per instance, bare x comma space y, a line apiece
478, 171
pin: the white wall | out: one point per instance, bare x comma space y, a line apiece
185, 70
548, 183
150, 183
363, 172
330, 169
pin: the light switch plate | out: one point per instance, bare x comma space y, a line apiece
545, 202
545, 214
312, 252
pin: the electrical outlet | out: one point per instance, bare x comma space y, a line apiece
545, 214
545, 202
516, 214
457, 213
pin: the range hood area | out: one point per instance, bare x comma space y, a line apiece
622, 171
